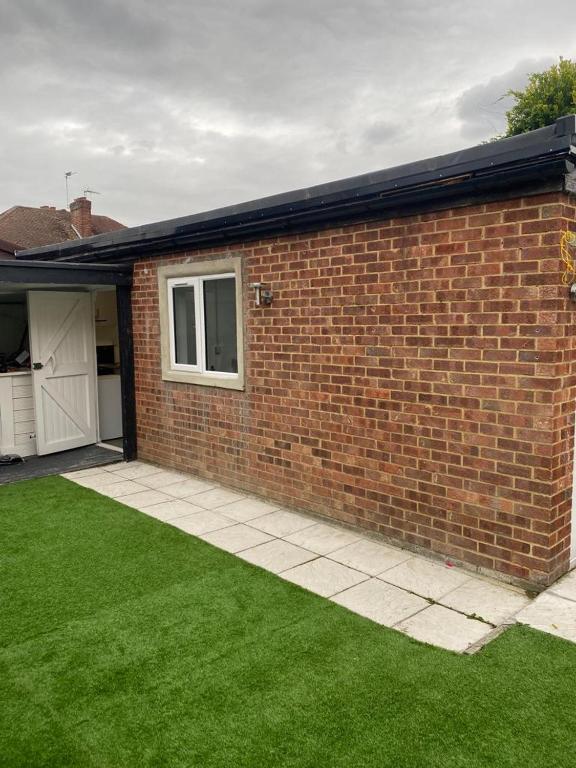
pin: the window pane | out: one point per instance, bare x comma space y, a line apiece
185, 325
220, 321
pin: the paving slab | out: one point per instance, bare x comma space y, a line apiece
425, 578
120, 465
322, 538
168, 510
121, 488
236, 538
135, 473
281, 523
200, 522
485, 600
110, 485
565, 587
145, 498
380, 602
447, 629
80, 473
247, 509
369, 557
277, 555
163, 478
97, 481
215, 498
188, 487
324, 577
552, 614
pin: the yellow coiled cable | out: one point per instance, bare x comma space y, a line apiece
567, 250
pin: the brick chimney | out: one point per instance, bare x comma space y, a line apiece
81, 216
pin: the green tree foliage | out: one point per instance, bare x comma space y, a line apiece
548, 96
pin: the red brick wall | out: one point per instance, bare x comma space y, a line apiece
414, 376
81, 216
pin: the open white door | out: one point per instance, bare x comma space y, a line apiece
63, 352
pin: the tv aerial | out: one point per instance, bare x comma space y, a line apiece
67, 177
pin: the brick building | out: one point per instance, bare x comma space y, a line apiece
395, 351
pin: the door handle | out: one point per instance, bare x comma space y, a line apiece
37, 366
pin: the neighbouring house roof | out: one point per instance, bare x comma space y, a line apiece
531, 163
35, 227
103, 224
7, 250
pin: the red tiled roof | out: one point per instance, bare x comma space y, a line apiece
32, 227
102, 224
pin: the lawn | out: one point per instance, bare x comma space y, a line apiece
125, 642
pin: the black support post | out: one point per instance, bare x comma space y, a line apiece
126, 340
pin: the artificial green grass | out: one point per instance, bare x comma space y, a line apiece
125, 642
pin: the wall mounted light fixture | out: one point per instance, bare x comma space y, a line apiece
263, 296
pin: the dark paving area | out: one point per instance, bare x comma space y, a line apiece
56, 463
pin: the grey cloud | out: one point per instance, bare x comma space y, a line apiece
381, 132
167, 108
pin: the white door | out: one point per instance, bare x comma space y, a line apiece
63, 352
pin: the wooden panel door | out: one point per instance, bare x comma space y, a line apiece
63, 352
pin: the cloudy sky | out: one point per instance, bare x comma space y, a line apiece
172, 107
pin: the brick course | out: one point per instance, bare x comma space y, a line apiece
413, 376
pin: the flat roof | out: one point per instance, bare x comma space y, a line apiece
536, 161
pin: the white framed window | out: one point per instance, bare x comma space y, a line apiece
201, 323
202, 318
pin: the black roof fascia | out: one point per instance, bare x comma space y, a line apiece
537, 161
64, 273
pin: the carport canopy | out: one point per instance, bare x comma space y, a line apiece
22, 274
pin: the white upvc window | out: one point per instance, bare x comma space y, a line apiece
201, 306
202, 320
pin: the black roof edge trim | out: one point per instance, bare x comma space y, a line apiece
65, 273
468, 192
367, 211
539, 152
123, 268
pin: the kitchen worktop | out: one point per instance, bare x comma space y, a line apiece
21, 372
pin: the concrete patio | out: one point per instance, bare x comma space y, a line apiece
554, 611
434, 602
